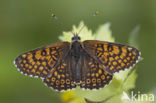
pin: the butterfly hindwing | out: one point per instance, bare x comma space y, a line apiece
61, 78
39, 62
94, 76
113, 57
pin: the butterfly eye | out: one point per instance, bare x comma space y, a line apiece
73, 38
79, 38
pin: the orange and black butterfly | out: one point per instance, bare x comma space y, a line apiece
89, 64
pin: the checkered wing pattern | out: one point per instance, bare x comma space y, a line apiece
113, 57
39, 62
93, 75
61, 78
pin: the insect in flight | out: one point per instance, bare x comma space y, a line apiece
90, 64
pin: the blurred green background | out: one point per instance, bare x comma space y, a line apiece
27, 24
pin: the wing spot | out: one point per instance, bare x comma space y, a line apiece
48, 57
116, 50
106, 54
38, 63
68, 81
94, 80
99, 80
41, 68
44, 63
97, 75
63, 75
55, 73
128, 64
119, 60
130, 54
88, 81
111, 59
57, 82
100, 49
62, 67
102, 77
129, 48
92, 74
100, 71
111, 53
125, 60
21, 65
47, 80
116, 58
53, 52
114, 63
45, 72
58, 76
33, 63
28, 70
92, 65
47, 50
31, 60
124, 50
118, 67
105, 47
38, 55
30, 67
111, 68
38, 73
24, 55
121, 56
128, 58
108, 77
133, 57
53, 79
33, 70
94, 85
62, 86
35, 66
122, 64
134, 53
24, 61
62, 81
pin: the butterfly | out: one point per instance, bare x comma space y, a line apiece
90, 64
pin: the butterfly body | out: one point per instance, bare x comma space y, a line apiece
75, 53
89, 64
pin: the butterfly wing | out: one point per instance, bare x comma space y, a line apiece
93, 76
62, 77
113, 57
39, 62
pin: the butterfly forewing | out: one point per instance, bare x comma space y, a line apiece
93, 76
39, 62
113, 57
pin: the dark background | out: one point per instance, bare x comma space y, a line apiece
27, 24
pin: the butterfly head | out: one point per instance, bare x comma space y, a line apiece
75, 37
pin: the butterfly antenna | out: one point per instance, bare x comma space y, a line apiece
60, 22
95, 14
55, 17
81, 29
